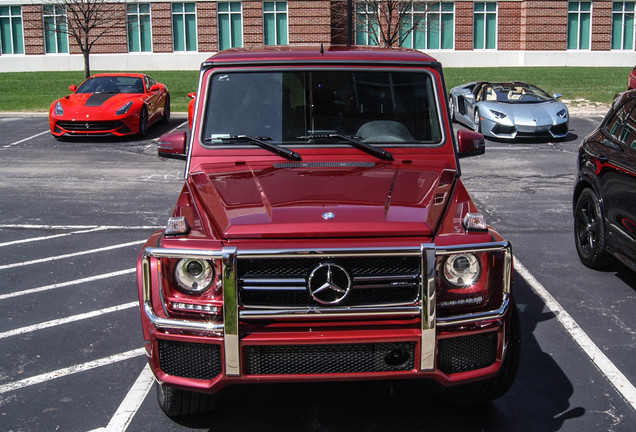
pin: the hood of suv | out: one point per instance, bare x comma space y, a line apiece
298, 200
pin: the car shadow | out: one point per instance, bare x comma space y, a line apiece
538, 399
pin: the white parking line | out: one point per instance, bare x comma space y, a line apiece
65, 284
71, 255
57, 322
38, 379
25, 139
600, 360
35, 239
78, 227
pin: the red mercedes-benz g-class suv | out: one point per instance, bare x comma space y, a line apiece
323, 233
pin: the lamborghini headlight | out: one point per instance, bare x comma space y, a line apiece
462, 270
58, 110
498, 114
124, 109
563, 113
194, 275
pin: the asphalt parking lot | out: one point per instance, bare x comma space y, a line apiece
74, 214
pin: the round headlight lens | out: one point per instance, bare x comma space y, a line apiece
462, 270
194, 275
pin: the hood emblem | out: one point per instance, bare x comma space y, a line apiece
328, 215
329, 284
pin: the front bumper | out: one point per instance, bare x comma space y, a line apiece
390, 341
127, 125
535, 129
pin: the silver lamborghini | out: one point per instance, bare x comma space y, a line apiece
509, 110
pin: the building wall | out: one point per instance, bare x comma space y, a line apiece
529, 32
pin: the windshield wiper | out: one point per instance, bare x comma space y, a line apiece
260, 141
354, 141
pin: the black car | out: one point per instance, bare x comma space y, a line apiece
605, 192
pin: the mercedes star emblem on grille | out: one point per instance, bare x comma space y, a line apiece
329, 283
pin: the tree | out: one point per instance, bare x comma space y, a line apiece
388, 23
85, 22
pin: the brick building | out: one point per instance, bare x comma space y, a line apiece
160, 34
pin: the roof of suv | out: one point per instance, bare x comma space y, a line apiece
318, 54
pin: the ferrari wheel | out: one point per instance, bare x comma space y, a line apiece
589, 231
143, 122
477, 121
166, 110
451, 108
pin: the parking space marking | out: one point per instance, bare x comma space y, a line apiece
38, 379
51, 237
131, 403
71, 255
78, 227
60, 321
600, 360
26, 139
65, 284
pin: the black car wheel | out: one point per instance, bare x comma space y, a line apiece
175, 402
143, 122
589, 231
166, 110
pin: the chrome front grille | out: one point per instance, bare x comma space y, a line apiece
273, 282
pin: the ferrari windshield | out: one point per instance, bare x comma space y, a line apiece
515, 93
112, 84
324, 107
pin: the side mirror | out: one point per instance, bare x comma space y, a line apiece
155, 88
72, 88
172, 145
557, 95
470, 143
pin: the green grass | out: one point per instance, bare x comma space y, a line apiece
34, 91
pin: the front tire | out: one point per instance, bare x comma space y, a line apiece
477, 121
166, 110
491, 388
143, 122
175, 402
589, 231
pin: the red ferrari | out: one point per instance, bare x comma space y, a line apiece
631, 79
110, 104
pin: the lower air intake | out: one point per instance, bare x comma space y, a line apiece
190, 360
329, 359
466, 353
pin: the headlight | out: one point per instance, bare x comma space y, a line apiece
58, 109
563, 113
124, 109
462, 270
194, 275
498, 114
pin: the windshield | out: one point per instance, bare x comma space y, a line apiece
301, 107
112, 84
515, 93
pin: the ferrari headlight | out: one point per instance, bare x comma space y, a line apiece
462, 270
57, 110
498, 114
124, 109
194, 275
563, 113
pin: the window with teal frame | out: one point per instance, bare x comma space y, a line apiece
622, 26
184, 27
366, 25
431, 25
138, 24
579, 25
485, 25
275, 23
55, 36
11, 36
230, 25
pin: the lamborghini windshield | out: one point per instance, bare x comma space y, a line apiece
323, 107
